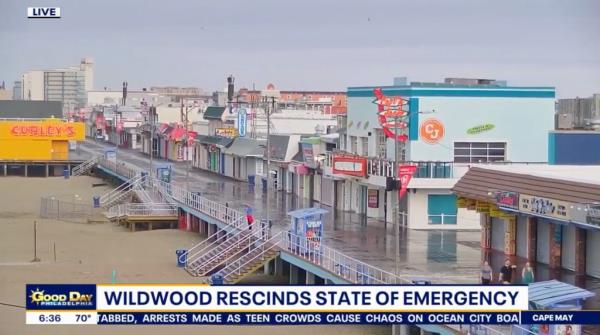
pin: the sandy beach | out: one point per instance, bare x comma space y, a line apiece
89, 253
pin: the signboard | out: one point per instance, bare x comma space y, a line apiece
350, 165
507, 199
432, 131
307, 152
482, 207
471, 204
405, 173
461, 202
226, 132
42, 130
496, 212
242, 121
373, 198
544, 206
480, 128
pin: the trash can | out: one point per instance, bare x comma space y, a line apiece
216, 280
181, 257
66, 173
251, 180
96, 201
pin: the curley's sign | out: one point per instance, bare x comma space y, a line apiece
43, 130
350, 165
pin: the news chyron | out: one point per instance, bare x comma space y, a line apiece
43, 12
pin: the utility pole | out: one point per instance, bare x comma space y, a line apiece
397, 203
186, 153
268, 111
152, 114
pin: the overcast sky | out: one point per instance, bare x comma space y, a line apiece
310, 44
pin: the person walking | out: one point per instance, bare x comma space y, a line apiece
486, 273
527, 274
506, 271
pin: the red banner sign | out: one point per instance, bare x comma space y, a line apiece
405, 173
350, 165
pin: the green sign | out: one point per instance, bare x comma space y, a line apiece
480, 129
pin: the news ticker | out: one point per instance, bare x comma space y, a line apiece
144, 304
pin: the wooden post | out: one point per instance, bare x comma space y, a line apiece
35, 258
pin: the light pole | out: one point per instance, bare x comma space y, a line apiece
268, 111
151, 116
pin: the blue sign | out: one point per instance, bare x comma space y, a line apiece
242, 122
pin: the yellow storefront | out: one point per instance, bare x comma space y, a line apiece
38, 140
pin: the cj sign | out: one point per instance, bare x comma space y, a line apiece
43, 12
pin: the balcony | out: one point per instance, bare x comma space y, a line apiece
381, 167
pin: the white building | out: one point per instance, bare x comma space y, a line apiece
68, 85
449, 128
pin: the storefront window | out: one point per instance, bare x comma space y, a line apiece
441, 209
479, 152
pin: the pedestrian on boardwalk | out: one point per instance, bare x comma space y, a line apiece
249, 217
527, 274
486, 273
505, 276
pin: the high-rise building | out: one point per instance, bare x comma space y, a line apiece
68, 85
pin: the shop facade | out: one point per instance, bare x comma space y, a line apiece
446, 129
541, 215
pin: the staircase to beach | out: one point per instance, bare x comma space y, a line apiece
214, 253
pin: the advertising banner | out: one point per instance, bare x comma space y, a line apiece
405, 173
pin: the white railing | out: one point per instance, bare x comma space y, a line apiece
85, 166
238, 265
120, 168
441, 219
223, 255
216, 210
196, 253
121, 192
146, 209
344, 266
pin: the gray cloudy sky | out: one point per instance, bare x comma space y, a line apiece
310, 44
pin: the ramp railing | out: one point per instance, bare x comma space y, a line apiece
86, 166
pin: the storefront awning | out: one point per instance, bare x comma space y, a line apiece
214, 113
245, 147
214, 140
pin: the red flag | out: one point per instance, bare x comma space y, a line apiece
405, 173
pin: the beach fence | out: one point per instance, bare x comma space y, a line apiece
71, 211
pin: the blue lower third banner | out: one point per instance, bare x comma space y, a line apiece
154, 318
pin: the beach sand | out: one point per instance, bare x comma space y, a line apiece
88, 253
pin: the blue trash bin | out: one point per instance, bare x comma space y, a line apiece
96, 201
181, 257
216, 280
66, 173
251, 180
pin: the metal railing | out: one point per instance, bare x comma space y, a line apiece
230, 216
122, 191
441, 219
85, 166
342, 265
384, 167
71, 211
145, 209
197, 251
236, 267
247, 239
120, 168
